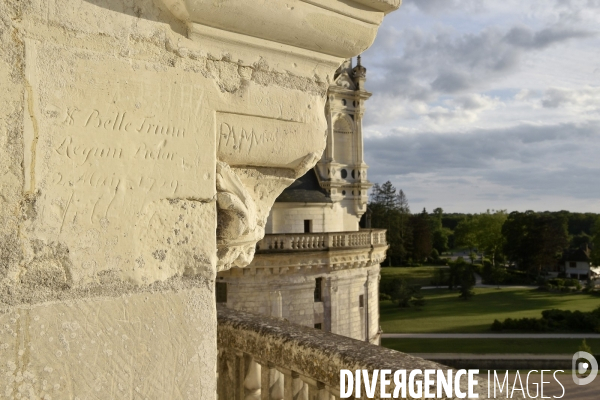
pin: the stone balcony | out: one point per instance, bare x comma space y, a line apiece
321, 241
333, 250
272, 359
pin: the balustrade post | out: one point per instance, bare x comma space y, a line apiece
253, 381
229, 378
241, 374
288, 386
276, 386
322, 392
299, 387
265, 375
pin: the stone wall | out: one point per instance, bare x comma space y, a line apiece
326, 217
139, 345
338, 312
289, 217
97, 106
142, 145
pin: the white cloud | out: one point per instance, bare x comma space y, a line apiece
503, 96
585, 99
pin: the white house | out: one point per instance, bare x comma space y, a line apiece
576, 264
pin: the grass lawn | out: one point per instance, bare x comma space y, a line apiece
421, 276
444, 312
489, 346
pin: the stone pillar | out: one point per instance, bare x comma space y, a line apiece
142, 144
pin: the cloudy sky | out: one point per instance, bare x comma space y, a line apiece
481, 104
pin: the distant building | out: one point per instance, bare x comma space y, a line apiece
315, 266
576, 264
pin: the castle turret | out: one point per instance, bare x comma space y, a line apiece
342, 170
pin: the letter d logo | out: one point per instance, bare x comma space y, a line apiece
583, 367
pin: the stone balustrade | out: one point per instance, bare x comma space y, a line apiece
321, 241
266, 358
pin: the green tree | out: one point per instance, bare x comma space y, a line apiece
439, 234
580, 240
484, 232
436, 219
488, 233
421, 246
535, 240
494, 274
390, 211
462, 275
595, 253
404, 294
553, 238
464, 234
440, 239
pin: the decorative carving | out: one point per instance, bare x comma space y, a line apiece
237, 228
345, 82
244, 198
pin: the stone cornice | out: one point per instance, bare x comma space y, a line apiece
337, 28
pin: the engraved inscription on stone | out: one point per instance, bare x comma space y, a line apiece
128, 157
116, 149
262, 141
114, 156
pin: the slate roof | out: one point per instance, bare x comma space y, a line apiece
305, 189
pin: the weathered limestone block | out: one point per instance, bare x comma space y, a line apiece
142, 144
137, 346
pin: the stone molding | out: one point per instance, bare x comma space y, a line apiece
336, 28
